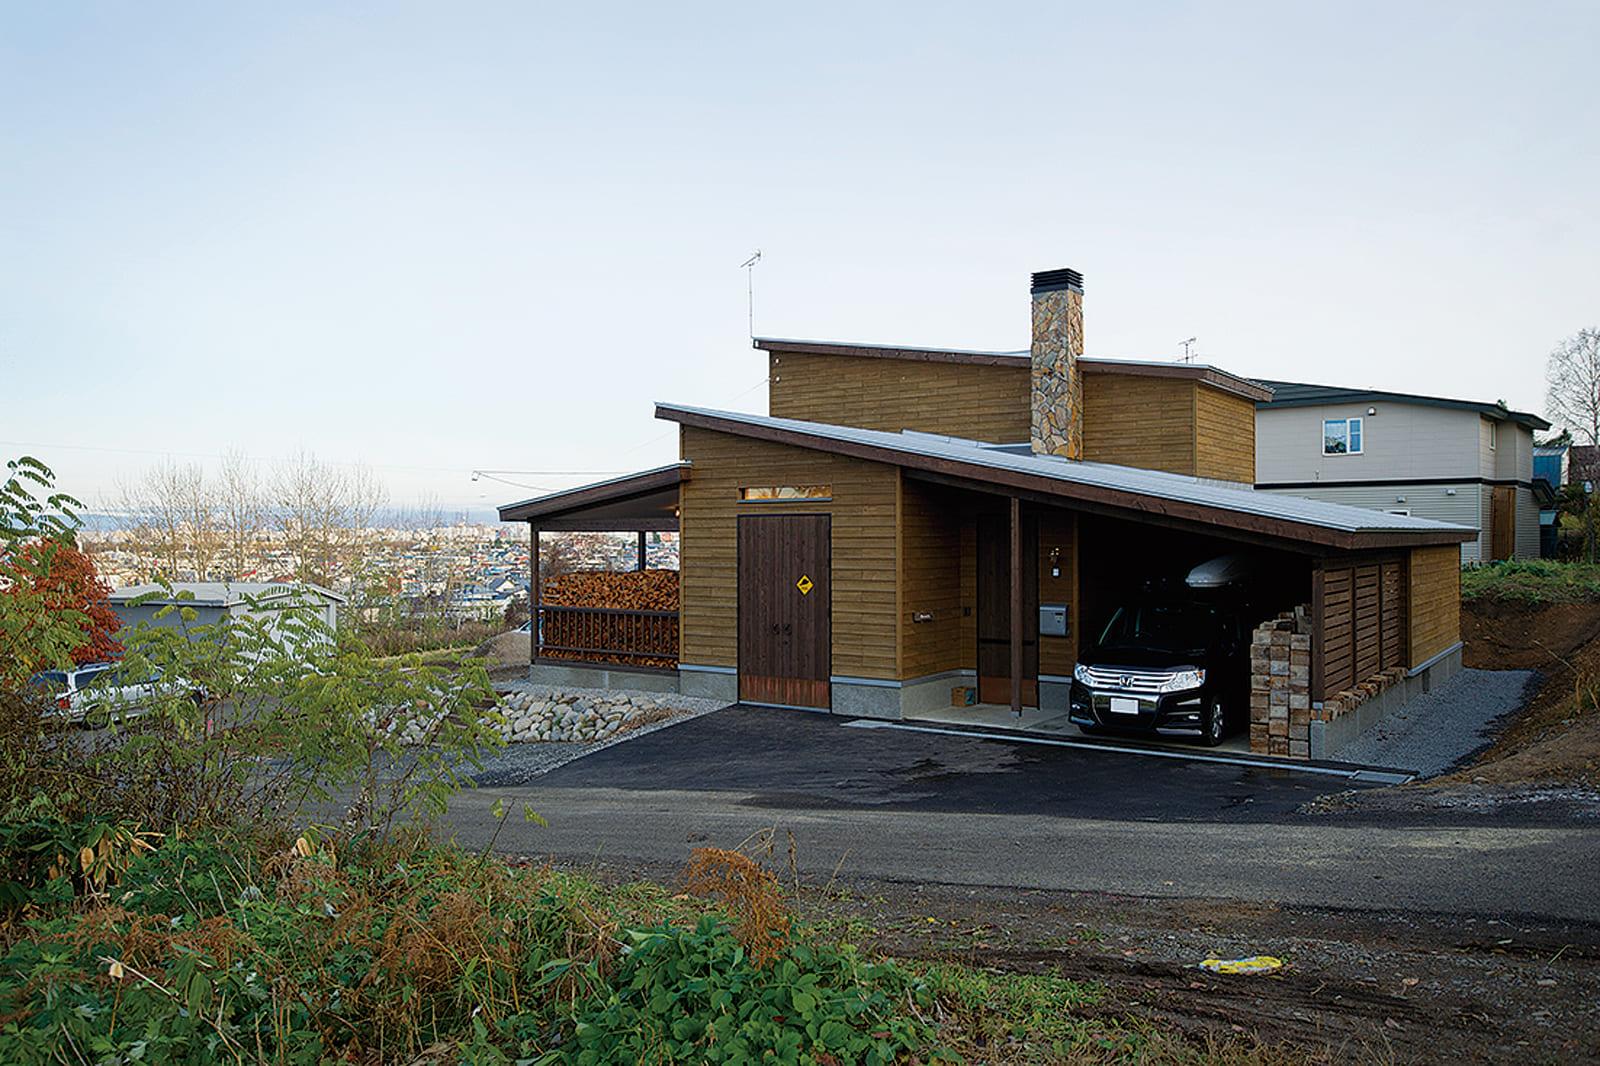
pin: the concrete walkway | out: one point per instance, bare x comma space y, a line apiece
1056, 723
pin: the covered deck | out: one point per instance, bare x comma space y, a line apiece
569, 638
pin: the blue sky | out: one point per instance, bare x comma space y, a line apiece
443, 238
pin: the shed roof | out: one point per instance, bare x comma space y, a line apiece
643, 502
1149, 495
1209, 375
221, 593
1300, 394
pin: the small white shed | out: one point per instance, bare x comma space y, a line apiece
214, 599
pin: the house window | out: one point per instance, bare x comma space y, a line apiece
1341, 436
786, 492
1492, 427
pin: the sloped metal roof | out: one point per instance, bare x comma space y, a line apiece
223, 593
646, 500
1118, 488
1300, 394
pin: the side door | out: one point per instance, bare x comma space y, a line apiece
785, 609
1502, 523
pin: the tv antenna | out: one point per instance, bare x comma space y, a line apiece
749, 268
1188, 356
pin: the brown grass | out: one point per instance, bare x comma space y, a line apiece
750, 894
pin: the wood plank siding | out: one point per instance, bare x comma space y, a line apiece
978, 402
1435, 582
1147, 422
1333, 655
1361, 607
1381, 611
1058, 534
864, 506
1162, 421
1225, 435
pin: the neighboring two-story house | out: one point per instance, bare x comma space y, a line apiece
1457, 461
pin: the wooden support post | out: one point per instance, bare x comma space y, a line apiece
1016, 606
533, 596
642, 549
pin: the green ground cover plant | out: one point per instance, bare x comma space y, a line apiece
371, 950
1533, 581
374, 950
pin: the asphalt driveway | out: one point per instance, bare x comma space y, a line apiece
866, 800
792, 760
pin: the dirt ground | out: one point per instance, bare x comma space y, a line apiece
1551, 741
1357, 986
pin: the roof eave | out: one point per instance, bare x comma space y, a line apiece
991, 477
881, 351
586, 496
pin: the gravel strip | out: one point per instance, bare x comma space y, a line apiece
519, 763
1441, 730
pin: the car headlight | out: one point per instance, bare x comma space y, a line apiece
1080, 673
1182, 680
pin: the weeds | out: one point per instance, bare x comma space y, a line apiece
1533, 581
371, 950
750, 893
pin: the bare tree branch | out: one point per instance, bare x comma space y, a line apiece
1573, 374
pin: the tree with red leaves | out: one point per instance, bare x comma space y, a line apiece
71, 583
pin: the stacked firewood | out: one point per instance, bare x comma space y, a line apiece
592, 636
630, 590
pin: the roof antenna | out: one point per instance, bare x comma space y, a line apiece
1188, 357
749, 267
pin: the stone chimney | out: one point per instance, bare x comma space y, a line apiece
1057, 392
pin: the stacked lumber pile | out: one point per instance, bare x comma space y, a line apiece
626, 639
627, 590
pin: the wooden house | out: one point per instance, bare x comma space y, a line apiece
900, 522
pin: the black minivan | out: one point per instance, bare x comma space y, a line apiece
1176, 661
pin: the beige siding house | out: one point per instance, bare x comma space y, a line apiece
1456, 461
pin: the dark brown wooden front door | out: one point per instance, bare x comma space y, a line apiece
785, 600
994, 610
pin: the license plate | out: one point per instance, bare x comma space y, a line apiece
1123, 705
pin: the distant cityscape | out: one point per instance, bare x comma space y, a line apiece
468, 570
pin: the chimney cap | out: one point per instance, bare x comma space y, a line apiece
1051, 280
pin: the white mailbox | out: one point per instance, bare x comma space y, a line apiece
1052, 619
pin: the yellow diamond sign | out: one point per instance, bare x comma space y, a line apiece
804, 584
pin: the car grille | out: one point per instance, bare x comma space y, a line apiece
1146, 682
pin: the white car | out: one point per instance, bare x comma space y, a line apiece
96, 692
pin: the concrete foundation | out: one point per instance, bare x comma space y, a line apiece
603, 677
1055, 693
862, 697
709, 682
